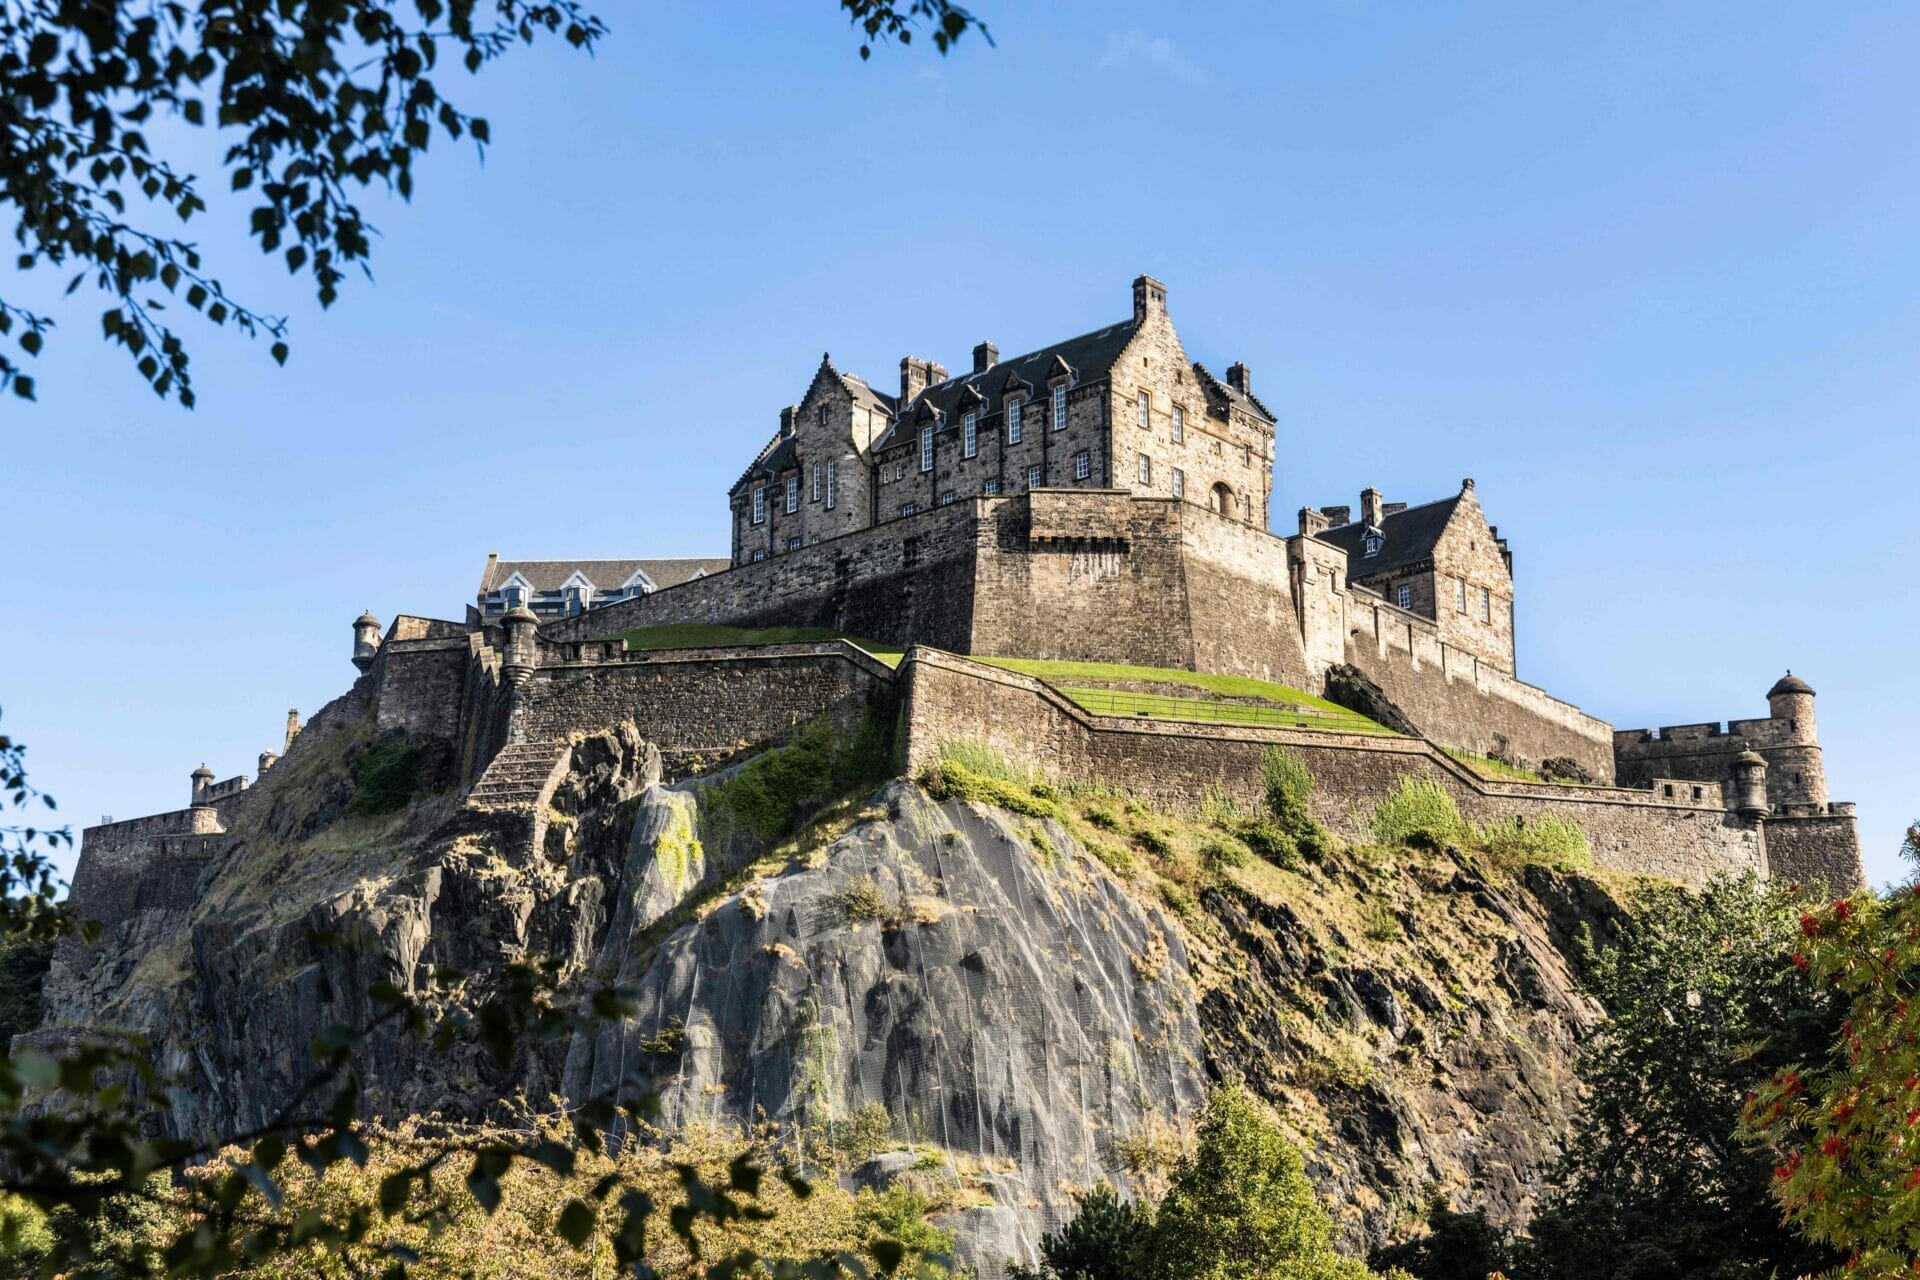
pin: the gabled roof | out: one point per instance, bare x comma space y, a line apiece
1407, 537
1089, 356
779, 453
1225, 394
545, 577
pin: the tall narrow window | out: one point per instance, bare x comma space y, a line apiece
1246, 455
1146, 469
1146, 411
1179, 483
1034, 477
1486, 605
1082, 465
970, 441
759, 504
1460, 594
1179, 425
793, 494
833, 482
1013, 420
926, 448
1060, 407
816, 482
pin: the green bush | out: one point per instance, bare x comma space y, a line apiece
1240, 1206
864, 901
1419, 812
970, 772
385, 777
1105, 1240
1154, 841
1289, 786
1103, 817
1549, 839
774, 792
1221, 850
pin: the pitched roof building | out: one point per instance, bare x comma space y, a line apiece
563, 588
1118, 407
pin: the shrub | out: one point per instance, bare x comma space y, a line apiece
1103, 817
1154, 841
862, 1135
1105, 1240
385, 776
1378, 923
863, 901
1289, 787
1271, 841
1419, 812
771, 794
971, 773
1289, 784
668, 1041
1222, 850
1241, 1207
1549, 839
1117, 857
1179, 898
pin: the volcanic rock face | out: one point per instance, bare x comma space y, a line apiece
966, 982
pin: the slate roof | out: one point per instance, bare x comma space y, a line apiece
546, 576
1789, 683
778, 454
1090, 356
1225, 391
1409, 537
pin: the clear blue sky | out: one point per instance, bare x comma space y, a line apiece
1647, 271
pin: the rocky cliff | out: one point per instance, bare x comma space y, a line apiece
1010, 990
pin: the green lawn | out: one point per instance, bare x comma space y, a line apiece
1295, 706
700, 635
1497, 770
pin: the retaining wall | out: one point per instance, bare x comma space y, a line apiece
950, 699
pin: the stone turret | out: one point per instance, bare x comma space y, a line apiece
1750, 785
366, 640
293, 729
202, 779
1799, 773
523, 642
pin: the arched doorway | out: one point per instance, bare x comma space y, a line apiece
1221, 499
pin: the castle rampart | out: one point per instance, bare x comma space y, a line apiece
950, 699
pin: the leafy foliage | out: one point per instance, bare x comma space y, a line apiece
1240, 1206
1842, 1126
1546, 840
1106, 1240
1420, 812
1456, 1246
1703, 1006
320, 100
1289, 834
776, 791
385, 776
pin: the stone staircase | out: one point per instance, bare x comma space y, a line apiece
522, 777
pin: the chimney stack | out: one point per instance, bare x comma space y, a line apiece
917, 375
985, 356
1337, 516
1371, 501
787, 415
1240, 378
1149, 298
1312, 522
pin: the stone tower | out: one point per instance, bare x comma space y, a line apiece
366, 640
1796, 772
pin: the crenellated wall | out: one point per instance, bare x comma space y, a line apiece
1460, 701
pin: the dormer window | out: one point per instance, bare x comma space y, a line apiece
1060, 407
1014, 408
1370, 544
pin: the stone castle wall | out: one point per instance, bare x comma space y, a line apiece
1708, 750
1821, 853
701, 706
950, 699
1460, 701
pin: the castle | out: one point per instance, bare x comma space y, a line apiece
1098, 500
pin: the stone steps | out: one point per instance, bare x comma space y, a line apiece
517, 777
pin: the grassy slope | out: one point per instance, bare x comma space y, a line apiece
1323, 714
700, 635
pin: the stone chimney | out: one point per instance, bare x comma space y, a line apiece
985, 356
1312, 522
917, 375
293, 729
1240, 378
1393, 508
1337, 516
1149, 298
787, 415
1370, 507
